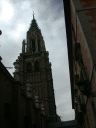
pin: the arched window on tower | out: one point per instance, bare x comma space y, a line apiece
29, 67
39, 47
37, 66
33, 47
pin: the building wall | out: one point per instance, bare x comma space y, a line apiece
83, 33
6, 98
12, 102
83, 23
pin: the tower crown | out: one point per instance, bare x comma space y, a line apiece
34, 25
35, 42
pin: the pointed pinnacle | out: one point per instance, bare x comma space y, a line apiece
33, 15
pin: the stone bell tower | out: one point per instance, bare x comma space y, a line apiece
33, 70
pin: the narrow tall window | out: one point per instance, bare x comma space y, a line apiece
7, 110
33, 45
26, 122
39, 47
28, 89
29, 67
37, 66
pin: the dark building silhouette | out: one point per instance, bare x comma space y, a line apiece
81, 39
33, 71
8, 99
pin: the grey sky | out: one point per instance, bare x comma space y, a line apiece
15, 19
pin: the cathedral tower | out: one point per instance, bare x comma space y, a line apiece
33, 70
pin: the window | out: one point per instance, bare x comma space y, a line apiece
29, 67
39, 47
37, 66
28, 89
33, 45
7, 110
26, 122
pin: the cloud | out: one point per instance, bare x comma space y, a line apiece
15, 18
18, 31
6, 11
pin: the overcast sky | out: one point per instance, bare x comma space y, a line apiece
15, 19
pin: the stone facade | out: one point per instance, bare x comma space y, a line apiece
83, 68
33, 70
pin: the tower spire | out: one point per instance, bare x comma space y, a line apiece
33, 15
33, 25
